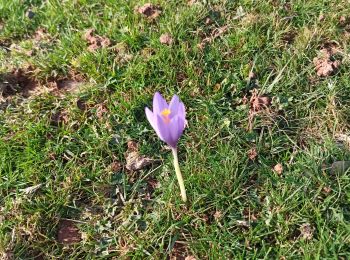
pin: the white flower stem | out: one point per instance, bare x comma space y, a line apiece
179, 175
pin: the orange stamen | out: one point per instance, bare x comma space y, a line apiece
165, 113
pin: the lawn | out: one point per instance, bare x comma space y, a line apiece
265, 155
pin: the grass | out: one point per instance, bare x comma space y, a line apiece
69, 142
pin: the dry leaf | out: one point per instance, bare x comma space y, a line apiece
289, 37
325, 67
190, 257
258, 103
192, 2
122, 53
342, 20
7, 255
321, 18
147, 52
217, 215
324, 64
68, 84
101, 110
327, 190
152, 184
306, 231
135, 161
343, 139
243, 223
278, 168
208, 21
181, 77
251, 75
81, 104
179, 251
31, 189
115, 166
239, 13
252, 153
95, 41
217, 87
251, 216
166, 39
150, 11
60, 117
214, 34
29, 53
132, 146
40, 34
68, 232
89, 35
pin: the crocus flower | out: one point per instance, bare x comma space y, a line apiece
168, 120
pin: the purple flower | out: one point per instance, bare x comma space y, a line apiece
167, 120
169, 123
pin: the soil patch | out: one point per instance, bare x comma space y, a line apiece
18, 81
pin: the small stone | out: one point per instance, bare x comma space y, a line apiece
30, 14
340, 167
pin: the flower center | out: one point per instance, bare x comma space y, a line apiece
165, 113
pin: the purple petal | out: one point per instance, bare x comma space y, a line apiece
177, 107
174, 105
176, 128
172, 131
163, 130
169, 129
151, 119
182, 111
159, 103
